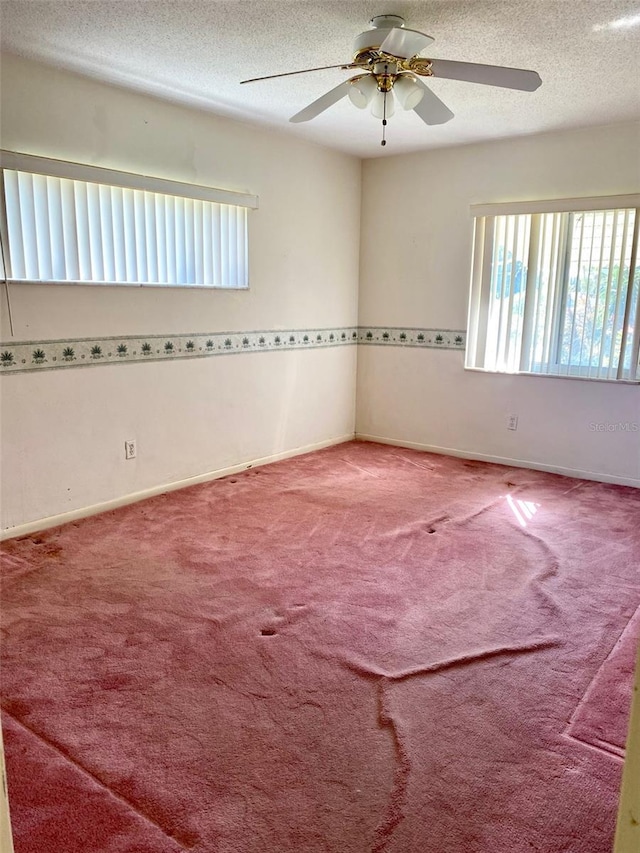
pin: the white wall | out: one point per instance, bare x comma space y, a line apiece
415, 266
63, 431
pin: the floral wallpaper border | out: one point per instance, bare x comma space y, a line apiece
22, 356
412, 337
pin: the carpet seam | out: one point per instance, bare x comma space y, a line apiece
397, 797
635, 613
611, 752
94, 778
602, 750
459, 661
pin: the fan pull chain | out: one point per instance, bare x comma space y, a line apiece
384, 119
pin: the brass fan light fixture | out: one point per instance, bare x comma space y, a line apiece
387, 57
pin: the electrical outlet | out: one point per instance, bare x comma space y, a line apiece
130, 449
512, 422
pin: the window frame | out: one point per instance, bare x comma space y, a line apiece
37, 165
483, 244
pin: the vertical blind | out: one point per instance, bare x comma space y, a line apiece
68, 229
556, 293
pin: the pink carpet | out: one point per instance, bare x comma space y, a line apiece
362, 650
602, 718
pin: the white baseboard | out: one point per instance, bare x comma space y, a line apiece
503, 460
84, 512
6, 839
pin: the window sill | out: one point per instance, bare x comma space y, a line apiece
553, 376
57, 283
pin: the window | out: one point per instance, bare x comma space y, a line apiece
62, 222
555, 289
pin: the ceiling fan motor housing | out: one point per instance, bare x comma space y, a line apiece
387, 21
372, 39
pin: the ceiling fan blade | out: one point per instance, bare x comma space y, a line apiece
322, 103
431, 109
405, 43
345, 66
488, 75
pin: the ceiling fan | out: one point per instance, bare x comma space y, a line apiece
387, 60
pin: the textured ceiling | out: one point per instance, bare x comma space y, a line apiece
586, 51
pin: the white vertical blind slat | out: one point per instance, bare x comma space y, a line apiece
160, 230
95, 233
575, 267
618, 311
632, 349
198, 242
480, 292
14, 224
596, 325
151, 248
518, 299
500, 292
41, 225
179, 240
106, 232
547, 232
140, 235
217, 244
70, 231
627, 266
169, 238
28, 225
615, 315
207, 244
507, 301
119, 242
224, 246
233, 227
595, 261
242, 248
82, 225
189, 234
495, 296
530, 279
128, 217
607, 295
56, 233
